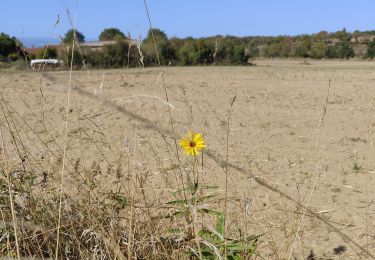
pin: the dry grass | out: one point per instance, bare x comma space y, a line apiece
122, 164
91, 166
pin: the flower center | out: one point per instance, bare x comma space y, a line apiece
192, 144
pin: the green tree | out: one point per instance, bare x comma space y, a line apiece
239, 56
273, 50
252, 50
188, 54
113, 56
345, 50
69, 36
321, 36
343, 35
116, 55
318, 50
303, 47
286, 47
370, 50
9, 46
164, 49
110, 34
157, 34
332, 52
205, 52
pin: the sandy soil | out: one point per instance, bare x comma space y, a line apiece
281, 143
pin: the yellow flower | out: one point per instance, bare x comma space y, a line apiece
192, 143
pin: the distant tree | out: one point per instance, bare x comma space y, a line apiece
231, 51
225, 51
345, 50
9, 46
168, 53
321, 36
69, 36
110, 34
116, 55
318, 50
303, 47
252, 50
175, 44
157, 34
205, 52
273, 50
332, 52
370, 50
164, 50
188, 54
343, 35
286, 47
239, 56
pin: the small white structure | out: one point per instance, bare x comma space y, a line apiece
46, 61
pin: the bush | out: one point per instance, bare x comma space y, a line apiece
48, 53
66, 56
113, 56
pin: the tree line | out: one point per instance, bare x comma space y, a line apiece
157, 48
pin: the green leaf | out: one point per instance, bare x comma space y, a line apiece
31, 179
238, 247
209, 236
210, 212
204, 198
177, 202
121, 199
204, 234
176, 214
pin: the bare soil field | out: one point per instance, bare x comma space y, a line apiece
300, 155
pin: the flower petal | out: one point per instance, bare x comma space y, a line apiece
197, 137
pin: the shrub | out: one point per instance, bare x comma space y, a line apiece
48, 53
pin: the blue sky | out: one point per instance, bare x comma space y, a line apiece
36, 18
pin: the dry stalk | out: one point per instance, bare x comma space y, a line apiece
64, 149
226, 169
129, 47
167, 100
10, 191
